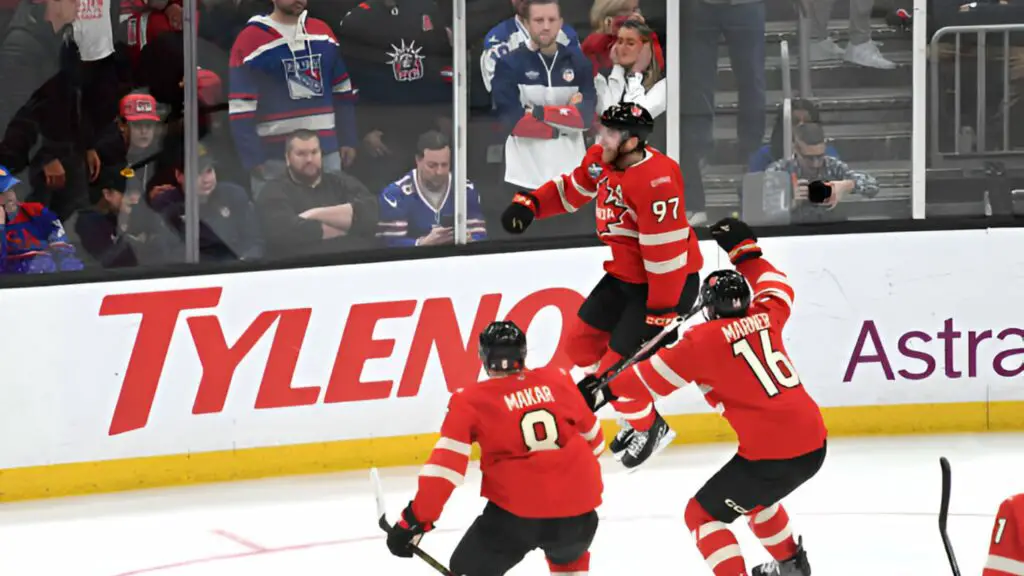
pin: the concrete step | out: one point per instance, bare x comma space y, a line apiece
783, 10
831, 74
832, 100
890, 38
856, 143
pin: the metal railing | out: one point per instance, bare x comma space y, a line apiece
787, 102
981, 121
803, 34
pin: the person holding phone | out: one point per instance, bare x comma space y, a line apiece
419, 209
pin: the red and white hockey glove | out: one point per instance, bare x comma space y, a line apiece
737, 239
407, 531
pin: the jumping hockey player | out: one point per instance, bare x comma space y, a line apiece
539, 444
1006, 553
739, 360
653, 275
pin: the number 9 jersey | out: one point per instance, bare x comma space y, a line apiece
539, 444
742, 368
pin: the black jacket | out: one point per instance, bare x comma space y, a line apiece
281, 202
40, 97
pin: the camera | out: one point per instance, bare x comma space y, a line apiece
818, 192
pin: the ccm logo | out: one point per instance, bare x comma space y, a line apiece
435, 327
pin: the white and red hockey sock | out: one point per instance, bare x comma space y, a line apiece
771, 526
581, 567
634, 404
716, 543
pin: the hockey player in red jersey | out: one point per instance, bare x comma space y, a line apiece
1006, 553
739, 360
539, 444
653, 275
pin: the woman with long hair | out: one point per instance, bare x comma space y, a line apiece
636, 75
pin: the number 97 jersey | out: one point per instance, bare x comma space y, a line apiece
538, 441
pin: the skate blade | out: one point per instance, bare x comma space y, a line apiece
665, 441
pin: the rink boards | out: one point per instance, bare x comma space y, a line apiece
172, 381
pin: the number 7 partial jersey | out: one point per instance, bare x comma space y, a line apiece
742, 368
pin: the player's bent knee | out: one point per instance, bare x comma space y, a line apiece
696, 516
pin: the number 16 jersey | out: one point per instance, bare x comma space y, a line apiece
742, 368
538, 441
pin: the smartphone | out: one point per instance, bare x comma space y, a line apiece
447, 221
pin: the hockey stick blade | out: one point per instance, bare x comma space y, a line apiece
378, 493
947, 488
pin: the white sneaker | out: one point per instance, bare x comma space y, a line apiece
867, 54
825, 49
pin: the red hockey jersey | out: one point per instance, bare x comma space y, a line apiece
741, 366
538, 447
1006, 552
641, 216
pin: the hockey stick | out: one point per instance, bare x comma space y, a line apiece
378, 492
947, 487
602, 382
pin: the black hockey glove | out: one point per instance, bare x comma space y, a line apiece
407, 531
736, 238
595, 394
520, 213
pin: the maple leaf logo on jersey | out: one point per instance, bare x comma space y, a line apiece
611, 211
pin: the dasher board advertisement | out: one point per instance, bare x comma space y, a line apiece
353, 365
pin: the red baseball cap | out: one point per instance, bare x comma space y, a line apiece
139, 108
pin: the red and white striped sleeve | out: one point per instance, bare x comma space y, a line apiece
446, 467
569, 192
663, 373
771, 288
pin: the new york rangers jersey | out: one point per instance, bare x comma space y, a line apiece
33, 241
546, 104
405, 215
284, 78
509, 35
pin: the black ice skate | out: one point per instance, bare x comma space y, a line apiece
621, 441
795, 566
643, 445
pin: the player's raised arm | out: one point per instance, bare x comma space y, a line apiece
563, 195
771, 287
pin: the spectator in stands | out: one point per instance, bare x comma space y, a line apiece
810, 163
228, 226
803, 112
311, 211
40, 112
511, 34
419, 209
136, 136
94, 36
741, 22
606, 17
636, 75
32, 238
103, 229
147, 20
860, 50
287, 74
401, 61
544, 93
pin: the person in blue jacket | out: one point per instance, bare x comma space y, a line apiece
803, 111
32, 238
419, 209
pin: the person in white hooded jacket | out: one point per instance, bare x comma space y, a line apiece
636, 75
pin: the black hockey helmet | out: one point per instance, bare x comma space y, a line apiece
724, 294
630, 118
503, 347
